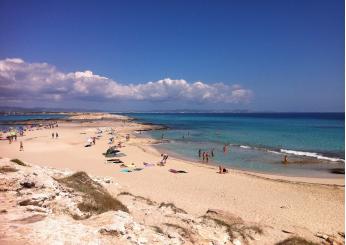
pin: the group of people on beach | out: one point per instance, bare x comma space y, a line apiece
52, 125
205, 155
12, 138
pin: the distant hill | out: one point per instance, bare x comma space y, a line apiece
14, 110
4, 109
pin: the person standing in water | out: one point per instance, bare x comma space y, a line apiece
212, 152
285, 161
225, 149
199, 153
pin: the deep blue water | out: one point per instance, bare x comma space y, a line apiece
257, 141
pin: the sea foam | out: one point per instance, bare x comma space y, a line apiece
311, 154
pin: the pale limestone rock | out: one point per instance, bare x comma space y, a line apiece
236, 242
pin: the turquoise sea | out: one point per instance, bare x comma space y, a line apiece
314, 142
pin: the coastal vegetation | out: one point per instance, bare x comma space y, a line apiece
7, 169
19, 162
96, 198
295, 240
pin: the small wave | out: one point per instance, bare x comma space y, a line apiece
275, 152
245, 147
311, 154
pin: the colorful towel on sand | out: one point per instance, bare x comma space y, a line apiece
130, 170
177, 171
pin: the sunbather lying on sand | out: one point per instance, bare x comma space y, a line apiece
222, 170
114, 161
177, 171
132, 165
148, 164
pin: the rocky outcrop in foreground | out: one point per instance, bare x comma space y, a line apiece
47, 206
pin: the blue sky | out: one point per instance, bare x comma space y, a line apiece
267, 55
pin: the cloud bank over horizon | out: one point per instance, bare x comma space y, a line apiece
21, 81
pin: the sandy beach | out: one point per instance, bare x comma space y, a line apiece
301, 206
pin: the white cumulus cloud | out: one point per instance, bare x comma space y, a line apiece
20, 80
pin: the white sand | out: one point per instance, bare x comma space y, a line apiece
302, 208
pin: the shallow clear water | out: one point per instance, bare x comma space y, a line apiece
257, 141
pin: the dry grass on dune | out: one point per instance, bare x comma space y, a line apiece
295, 241
158, 229
19, 162
184, 232
96, 199
7, 169
147, 200
173, 207
235, 226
